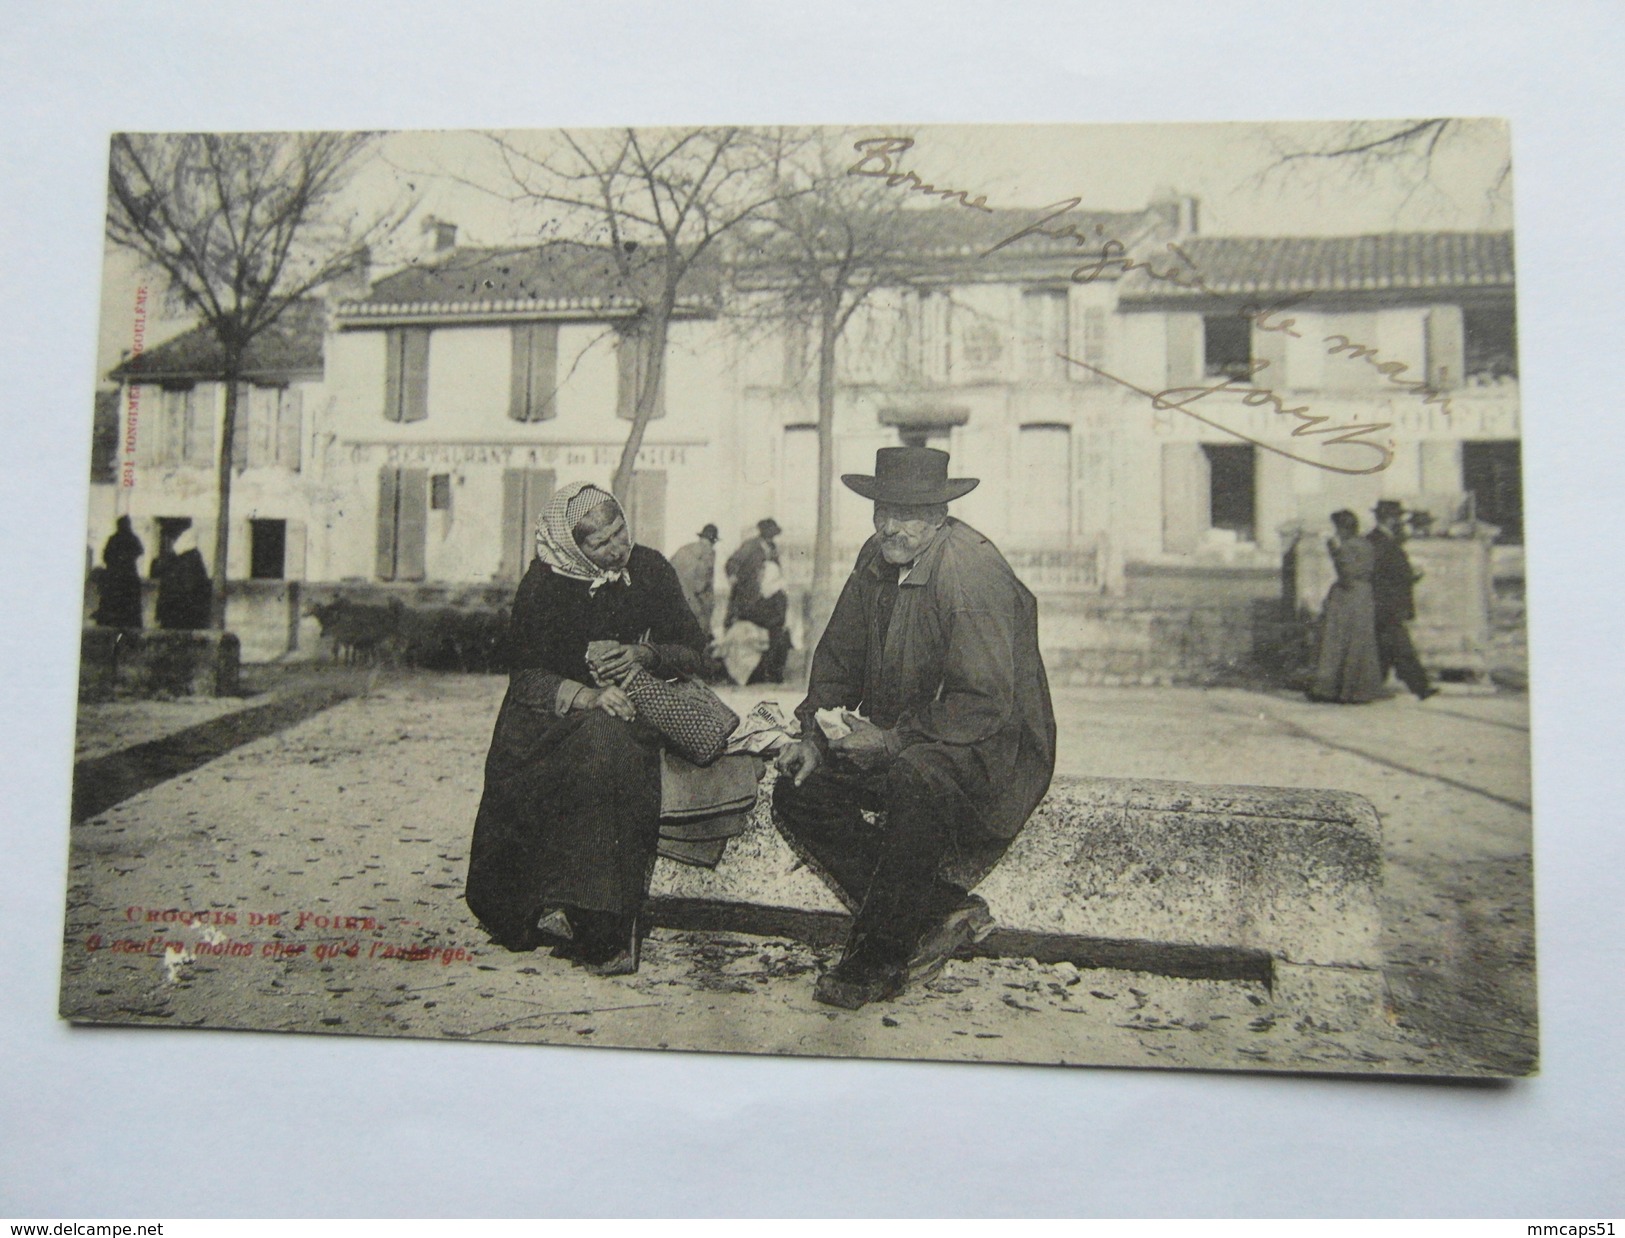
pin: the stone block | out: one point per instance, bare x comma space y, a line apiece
1288, 873
134, 663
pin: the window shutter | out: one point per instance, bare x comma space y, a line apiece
1270, 346
519, 372
535, 370
1087, 328
412, 533
626, 375
293, 562
395, 346
200, 415
388, 489
238, 550
204, 529
1185, 499
415, 374
1445, 347
1184, 350
242, 454
632, 360
515, 534
289, 428
646, 508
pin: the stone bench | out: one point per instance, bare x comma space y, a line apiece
1178, 878
118, 663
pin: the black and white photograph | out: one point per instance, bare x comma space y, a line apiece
1022, 593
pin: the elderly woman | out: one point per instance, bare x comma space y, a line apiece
566, 834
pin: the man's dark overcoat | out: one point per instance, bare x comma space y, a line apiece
948, 657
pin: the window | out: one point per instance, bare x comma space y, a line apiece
406, 374
1089, 344
188, 425
268, 549
535, 371
1227, 346
403, 502
525, 493
1232, 489
1492, 472
632, 361
1044, 334
927, 335
440, 492
981, 345
1489, 344
268, 431
1042, 485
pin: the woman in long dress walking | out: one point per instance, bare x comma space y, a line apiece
1347, 666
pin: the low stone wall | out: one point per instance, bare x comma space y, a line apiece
1291, 874
121, 663
1127, 640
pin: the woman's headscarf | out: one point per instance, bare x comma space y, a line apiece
555, 534
184, 541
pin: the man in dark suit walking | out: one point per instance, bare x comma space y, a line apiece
1393, 585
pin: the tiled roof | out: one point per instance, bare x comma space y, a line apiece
290, 348
560, 278
959, 231
1386, 262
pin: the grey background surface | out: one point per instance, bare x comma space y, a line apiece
146, 1124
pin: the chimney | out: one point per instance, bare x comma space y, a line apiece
1179, 210
445, 234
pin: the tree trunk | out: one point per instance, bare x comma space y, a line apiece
822, 600
658, 323
222, 531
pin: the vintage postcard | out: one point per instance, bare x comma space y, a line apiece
1045, 594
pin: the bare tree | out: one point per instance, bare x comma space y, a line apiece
242, 226
1410, 150
828, 243
659, 200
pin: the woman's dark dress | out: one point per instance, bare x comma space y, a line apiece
1347, 667
571, 811
119, 603
183, 591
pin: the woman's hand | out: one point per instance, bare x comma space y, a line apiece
615, 665
609, 699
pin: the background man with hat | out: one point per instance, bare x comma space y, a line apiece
934, 641
1393, 584
753, 599
696, 567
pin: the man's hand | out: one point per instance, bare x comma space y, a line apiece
617, 664
800, 759
611, 700
865, 747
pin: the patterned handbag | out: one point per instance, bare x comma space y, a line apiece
695, 722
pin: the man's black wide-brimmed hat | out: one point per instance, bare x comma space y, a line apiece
910, 476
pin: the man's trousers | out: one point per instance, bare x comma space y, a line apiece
904, 872
1397, 654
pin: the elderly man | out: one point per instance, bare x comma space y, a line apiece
931, 658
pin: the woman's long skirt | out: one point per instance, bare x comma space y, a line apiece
1347, 666
570, 817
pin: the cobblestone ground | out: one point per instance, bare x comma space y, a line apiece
351, 828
